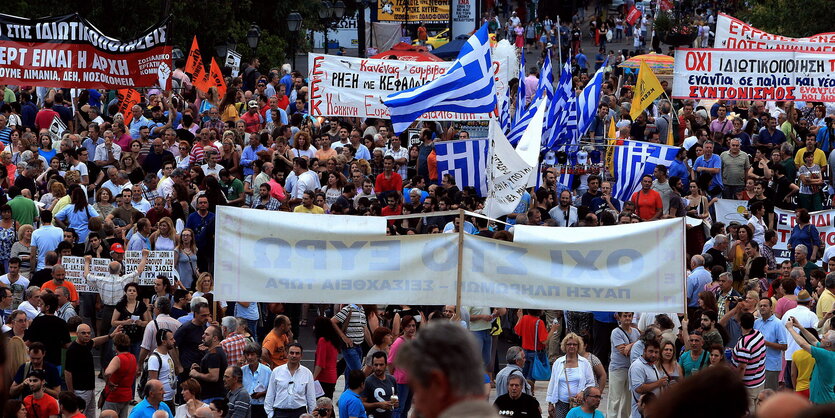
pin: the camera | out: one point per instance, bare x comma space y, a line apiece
323, 412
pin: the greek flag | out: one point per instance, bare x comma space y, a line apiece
504, 111
467, 87
520, 96
633, 159
545, 88
576, 117
521, 125
546, 77
466, 161
564, 92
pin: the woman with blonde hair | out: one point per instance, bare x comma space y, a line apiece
185, 259
165, 237
230, 157
570, 375
302, 147
205, 288
128, 162
16, 354
364, 167
57, 190
21, 249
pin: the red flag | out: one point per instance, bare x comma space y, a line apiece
631, 17
216, 79
194, 64
127, 99
666, 5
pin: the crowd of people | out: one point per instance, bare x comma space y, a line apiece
152, 178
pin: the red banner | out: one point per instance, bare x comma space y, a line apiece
194, 63
633, 15
67, 51
127, 99
216, 79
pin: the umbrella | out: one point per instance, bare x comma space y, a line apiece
405, 52
657, 62
450, 50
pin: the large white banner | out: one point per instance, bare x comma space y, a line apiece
754, 75
735, 34
728, 210
508, 170
287, 257
355, 87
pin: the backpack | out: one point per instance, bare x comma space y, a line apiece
143, 378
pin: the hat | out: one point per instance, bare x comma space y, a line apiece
803, 296
252, 103
37, 373
117, 248
734, 223
689, 142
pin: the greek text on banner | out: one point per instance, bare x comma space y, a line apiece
300, 258
733, 33
354, 87
754, 75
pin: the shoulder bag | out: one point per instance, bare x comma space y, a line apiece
540, 369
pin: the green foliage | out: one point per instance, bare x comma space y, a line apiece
790, 17
213, 21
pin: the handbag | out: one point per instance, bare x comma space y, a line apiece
540, 369
108, 387
571, 401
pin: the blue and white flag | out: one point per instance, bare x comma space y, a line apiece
521, 125
504, 112
588, 101
546, 77
633, 160
466, 161
562, 95
467, 87
520, 95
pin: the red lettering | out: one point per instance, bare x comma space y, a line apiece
314, 107
317, 65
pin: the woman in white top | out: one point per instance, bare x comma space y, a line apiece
302, 147
570, 375
165, 237
191, 394
757, 222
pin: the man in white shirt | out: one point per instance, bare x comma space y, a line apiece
138, 201
32, 304
564, 214
291, 392
807, 319
107, 154
162, 320
16, 283
161, 365
305, 179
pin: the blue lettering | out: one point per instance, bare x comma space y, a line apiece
348, 253
260, 261
429, 256
313, 250
388, 253
634, 264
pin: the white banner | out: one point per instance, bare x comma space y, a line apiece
355, 87
507, 174
731, 210
74, 266
287, 257
160, 263
735, 34
463, 17
754, 75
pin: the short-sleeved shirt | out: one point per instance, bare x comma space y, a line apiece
213, 360
53, 379
377, 390
823, 376
24, 210
276, 344
647, 204
690, 366
774, 332
356, 327
46, 406
525, 406
750, 351
188, 338
713, 162
618, 337
50, 285
803, 361
52, 332
326, 358
80, 364
350, 405
641, 372
164, 364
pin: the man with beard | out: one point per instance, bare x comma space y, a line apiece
564, 214
379, 388
211, 367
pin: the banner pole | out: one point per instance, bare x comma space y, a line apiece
460, 279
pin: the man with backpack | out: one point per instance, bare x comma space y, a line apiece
160, 366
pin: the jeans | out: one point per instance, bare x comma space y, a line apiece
353, 360
529, 358
485, 341
252, 324
404, 395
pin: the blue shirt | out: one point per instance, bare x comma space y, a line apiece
145, 410
679, 169
136, 124
350, 405
713, 162
250, 312
577, 412
582, 61
523, 207
281, 113
603, 316
773, 331
249, 155
46, 238
776, 138
251, 380
78, 220
823, 376
696, 282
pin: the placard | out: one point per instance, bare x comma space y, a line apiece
160, 263
413, 11
69, 51
74, 266
754, 75
733, 33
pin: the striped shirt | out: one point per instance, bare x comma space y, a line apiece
356, 327
750, 351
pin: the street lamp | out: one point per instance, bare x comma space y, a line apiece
253, 36
223, 47
294, 23
330, 14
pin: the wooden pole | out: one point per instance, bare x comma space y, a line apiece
460, 279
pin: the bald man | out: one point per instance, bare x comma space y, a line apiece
204, 412
80, 371
152, 403
782, 405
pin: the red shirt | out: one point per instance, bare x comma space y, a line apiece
123, 378
41, 408
326, 359
253, 122
50, 285
382, 184
526, 328
388, 211
647, 204
44, 118
283, 102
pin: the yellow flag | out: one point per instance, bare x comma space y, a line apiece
670, 138
612, 134
647, 89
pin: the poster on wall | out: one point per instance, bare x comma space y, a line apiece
463, 17
68, 51
414, 11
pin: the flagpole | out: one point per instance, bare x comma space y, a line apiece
559, 41
460, 277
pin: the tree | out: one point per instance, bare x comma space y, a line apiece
789, 18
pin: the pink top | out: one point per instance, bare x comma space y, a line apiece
783, 305
399, 374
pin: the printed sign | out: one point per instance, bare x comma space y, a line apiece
233, 61
74, 267
355, 87
754, 75
128, 98
414, 11
160, 263
68, 51
463, 17
735, 34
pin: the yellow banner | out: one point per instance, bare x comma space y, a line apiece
427, 11
647, 89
